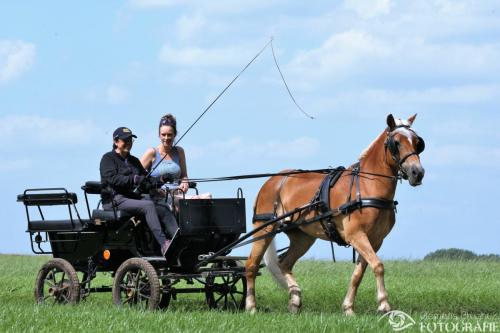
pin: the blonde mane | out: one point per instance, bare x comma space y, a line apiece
370, 146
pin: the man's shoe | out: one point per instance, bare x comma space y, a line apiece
165, 246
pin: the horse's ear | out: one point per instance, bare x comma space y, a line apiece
391, 122
412, 119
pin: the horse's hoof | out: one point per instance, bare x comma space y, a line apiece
349, 312
293, 308
251, 311
384, 308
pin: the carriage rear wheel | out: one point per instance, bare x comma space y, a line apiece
136, 284
57, 282
226, 291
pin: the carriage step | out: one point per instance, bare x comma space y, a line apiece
154, 258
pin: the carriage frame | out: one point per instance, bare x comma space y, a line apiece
115, 242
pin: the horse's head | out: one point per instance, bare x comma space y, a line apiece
404, 147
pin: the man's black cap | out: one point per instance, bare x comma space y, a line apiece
123, 133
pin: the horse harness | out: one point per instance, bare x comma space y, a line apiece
321, 200
321, 204
392, 145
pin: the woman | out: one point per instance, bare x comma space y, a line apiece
121, 174
167, 161
172, 168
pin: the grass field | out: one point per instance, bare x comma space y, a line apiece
459, 295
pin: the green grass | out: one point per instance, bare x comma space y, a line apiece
469, 291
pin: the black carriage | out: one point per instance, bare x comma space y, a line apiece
116, 242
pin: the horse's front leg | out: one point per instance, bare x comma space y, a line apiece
357, 276
362, 244
252, 266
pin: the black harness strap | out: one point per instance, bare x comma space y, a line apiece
351, 206
323, 194
277, 201
263, 217
320, 202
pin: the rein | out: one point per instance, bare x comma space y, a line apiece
286, 173
317, 203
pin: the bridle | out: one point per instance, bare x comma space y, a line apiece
391, 144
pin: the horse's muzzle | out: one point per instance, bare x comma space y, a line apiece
415, 174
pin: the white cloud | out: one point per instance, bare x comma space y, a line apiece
200, 57
187, 26
467, 94
116, 95
155, 3
338, 55
16, 57
237, 150
217, 7
368, 8
344, 56
462, 155
112, 94
9, 165
33, 131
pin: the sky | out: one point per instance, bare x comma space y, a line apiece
70, 73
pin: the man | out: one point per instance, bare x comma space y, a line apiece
122, 173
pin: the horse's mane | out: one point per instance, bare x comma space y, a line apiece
370, 146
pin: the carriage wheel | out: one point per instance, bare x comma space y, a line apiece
57, 282
227, 291
165, 296
136, 284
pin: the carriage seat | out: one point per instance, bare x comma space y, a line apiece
48, 199
56, 225
101, 215
109, 215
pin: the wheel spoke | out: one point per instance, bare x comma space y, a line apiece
63, 297
218, 299
62, 278
48, 282
234, 300
137, 279
54, 271
127, 300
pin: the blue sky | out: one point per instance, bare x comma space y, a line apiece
71, 73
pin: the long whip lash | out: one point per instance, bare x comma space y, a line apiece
286, 85
224, 90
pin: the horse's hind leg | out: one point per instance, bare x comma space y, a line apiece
362, 244
252, 265
300, 242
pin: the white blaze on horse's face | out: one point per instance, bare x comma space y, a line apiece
411, 167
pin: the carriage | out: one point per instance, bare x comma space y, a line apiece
115, 242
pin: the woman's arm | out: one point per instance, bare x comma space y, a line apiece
148, 158
184, 177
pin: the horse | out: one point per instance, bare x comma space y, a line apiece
362, 223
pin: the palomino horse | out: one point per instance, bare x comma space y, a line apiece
364, 224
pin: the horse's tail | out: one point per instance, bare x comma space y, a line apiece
272, 263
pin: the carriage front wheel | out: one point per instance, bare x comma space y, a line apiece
136, 284
226, 290
57, 283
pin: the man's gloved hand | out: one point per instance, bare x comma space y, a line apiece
147, 184
138, 179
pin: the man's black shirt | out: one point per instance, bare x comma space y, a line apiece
118, 173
